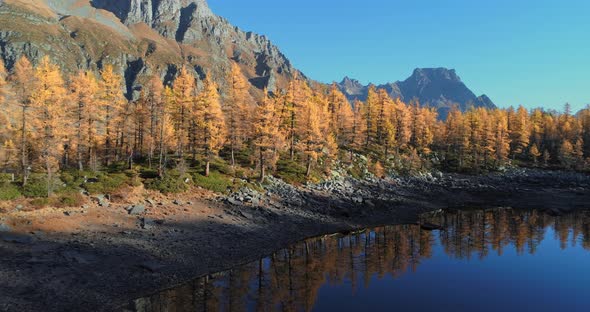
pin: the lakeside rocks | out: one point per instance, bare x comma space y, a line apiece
342, 191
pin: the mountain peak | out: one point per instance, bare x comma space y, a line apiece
439, 73
440, 88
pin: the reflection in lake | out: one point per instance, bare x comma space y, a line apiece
489, 260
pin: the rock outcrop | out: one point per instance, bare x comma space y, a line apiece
140, 37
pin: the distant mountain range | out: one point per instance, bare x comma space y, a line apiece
440, 88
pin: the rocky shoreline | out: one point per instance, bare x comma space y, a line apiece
100, 256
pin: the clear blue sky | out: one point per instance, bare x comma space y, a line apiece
535, 53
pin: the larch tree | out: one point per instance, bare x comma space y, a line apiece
236, 110
339, 110
519, 132
310, 135
359, 128
566, 154
535, 153
344, 126
3, 75
389, 137
113, 105
184, 88
84, 87
211, 122
384, 107
7, 148
403, 124
49, 102
154, 97
23, 79
578, 152
267, 138
502, 137
371, 112
297, 93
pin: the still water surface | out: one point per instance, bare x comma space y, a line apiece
493, 260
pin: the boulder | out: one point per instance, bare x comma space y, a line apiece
4, 227
136, 209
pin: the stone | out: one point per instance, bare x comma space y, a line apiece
16, 239
81, 258
4, 227
246, 215
152, 266
234, 201
19, 207
150, 201
147, 224
136, 210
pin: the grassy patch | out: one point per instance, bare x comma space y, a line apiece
107, 183
172, 182
9, 191
216, 182
291, 171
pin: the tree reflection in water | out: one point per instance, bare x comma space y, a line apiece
290, 279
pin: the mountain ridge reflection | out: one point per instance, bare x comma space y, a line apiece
290, 279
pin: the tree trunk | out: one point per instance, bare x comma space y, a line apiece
262, 173
233, 159
308, 170
207, 167
24, 147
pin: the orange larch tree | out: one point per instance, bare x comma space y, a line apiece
210, 123
52, 129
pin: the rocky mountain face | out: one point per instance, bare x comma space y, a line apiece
440, 88
140, 37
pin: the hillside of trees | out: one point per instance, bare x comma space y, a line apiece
62, 131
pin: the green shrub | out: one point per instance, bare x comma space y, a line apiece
221, 166
172, 182
70, 199
133, 176
215, 182
9, 191
40, 202
291, 171
36, 186
107, 183
5, 178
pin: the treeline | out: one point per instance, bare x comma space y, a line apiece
50, 122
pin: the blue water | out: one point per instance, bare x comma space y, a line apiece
495, 260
